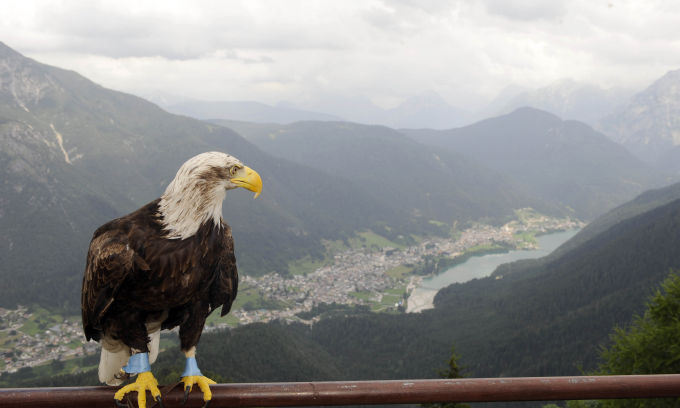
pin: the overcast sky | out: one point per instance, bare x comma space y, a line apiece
270, 51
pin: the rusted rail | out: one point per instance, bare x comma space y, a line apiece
373, 392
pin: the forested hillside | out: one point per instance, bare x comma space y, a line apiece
433, 183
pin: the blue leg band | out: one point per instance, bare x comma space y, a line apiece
138, 363
191, 368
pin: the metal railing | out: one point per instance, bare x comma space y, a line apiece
371, 392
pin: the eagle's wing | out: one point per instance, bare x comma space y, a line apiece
109, 260
225, 286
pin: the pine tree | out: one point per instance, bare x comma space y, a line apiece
452, 371
650, 345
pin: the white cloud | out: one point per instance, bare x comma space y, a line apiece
526, 10
466, 50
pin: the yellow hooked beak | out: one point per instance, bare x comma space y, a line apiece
248, 179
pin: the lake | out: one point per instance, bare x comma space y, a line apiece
479, 267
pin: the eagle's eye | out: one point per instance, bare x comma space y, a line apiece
234, 169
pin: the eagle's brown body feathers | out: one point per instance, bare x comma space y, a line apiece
168, 264
135, 276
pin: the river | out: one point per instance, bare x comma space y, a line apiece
422, 297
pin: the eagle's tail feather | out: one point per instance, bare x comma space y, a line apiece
113, 357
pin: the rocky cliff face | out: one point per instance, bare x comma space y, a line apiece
650, 125
24, 83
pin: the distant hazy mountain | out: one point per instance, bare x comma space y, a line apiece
500, 104
402, 173
567, 99
670, 160
649, 125
247, 111
426, 110
566, 161
355, 109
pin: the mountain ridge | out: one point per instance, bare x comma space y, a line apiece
247, 111
579, 166
439, 185
568, 99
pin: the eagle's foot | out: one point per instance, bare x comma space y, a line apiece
145, 381
203, 383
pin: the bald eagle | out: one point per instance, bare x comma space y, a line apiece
167, 264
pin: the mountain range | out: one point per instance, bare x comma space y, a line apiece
566, 98
427, 109
432, 183
566, 161
247, 111
642, 122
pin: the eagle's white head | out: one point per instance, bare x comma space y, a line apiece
195, 195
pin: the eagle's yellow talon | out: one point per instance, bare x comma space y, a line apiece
203, 383
145, 381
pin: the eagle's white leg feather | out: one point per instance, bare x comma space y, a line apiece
153, 345
113, 357
154, 331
